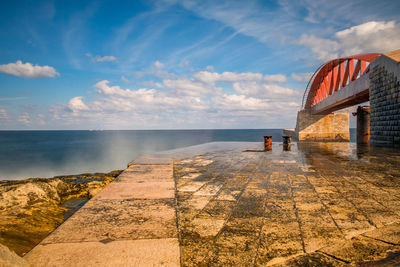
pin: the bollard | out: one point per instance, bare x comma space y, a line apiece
287, 140
267, 142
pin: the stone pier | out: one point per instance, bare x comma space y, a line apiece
331, 127
320, 204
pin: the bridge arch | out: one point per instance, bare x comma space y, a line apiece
334, 75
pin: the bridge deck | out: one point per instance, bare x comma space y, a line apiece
321, 203
354, 93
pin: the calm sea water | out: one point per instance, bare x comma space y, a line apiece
49, 153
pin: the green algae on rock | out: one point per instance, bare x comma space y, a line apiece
31, 209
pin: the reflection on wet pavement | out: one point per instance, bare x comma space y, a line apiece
318, 204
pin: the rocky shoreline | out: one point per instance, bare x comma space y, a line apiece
30, 209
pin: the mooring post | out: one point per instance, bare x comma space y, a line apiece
363, 133
267, 142
287, 140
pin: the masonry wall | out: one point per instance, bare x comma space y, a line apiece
332, 127
384, 96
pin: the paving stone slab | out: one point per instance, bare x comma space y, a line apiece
118, 219
146, 252
138, 190
359, 249
389, 233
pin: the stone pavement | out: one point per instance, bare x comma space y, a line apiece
131, 222
320, 204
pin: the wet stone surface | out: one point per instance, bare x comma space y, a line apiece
320, 204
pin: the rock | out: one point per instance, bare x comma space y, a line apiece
31, 209
28, 192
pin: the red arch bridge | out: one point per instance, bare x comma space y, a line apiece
338, 84
349, 81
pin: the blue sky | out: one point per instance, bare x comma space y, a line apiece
175, 64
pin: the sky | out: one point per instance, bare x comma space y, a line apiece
168, 64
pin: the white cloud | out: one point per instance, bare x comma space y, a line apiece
239, 102
158, 65
213, 77
241, 106
366, 29
372, 36
263, 90
193, 99
144, 95
104, 58
76, 104
3, 114
143, 98
101, 58
27, 70
302, 77
210, 68
324, 49
188, 87
24, 118
279, 91
275, 78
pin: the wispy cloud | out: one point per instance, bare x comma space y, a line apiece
12, 98
3, 114
76, 33
101, 58
285, 22
27, 70
139, 33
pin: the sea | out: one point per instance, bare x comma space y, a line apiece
27, 154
